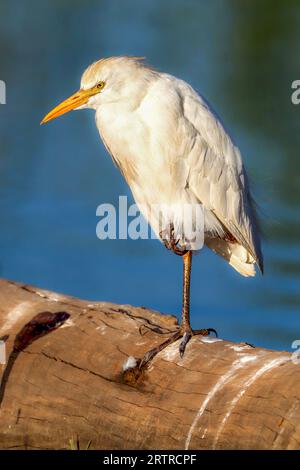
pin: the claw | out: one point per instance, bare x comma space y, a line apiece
186, 337
171, 243
212, 330
205, 332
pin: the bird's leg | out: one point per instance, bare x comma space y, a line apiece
185, 331
185, 327
185, 319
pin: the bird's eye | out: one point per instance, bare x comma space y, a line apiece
100, 85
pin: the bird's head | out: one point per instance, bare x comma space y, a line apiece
106, 81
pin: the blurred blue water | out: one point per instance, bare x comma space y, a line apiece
242, 57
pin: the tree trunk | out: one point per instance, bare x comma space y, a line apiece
64, 380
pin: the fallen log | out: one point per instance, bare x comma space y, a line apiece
64, 380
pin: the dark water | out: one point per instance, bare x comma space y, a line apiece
243, 56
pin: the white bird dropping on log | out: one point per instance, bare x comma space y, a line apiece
130, 363
173, 153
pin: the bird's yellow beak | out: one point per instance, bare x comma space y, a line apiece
79, 98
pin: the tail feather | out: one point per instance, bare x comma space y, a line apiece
236, 255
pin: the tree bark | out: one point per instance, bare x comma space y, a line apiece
64, 380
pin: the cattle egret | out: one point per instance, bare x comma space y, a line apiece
173, 151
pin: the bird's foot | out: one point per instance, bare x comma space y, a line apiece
188, 333
132, 375
184, 333
171, 243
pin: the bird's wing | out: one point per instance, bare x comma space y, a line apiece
216, 172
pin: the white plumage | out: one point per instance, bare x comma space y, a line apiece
172, 150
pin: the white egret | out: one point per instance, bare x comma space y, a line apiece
173, 151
